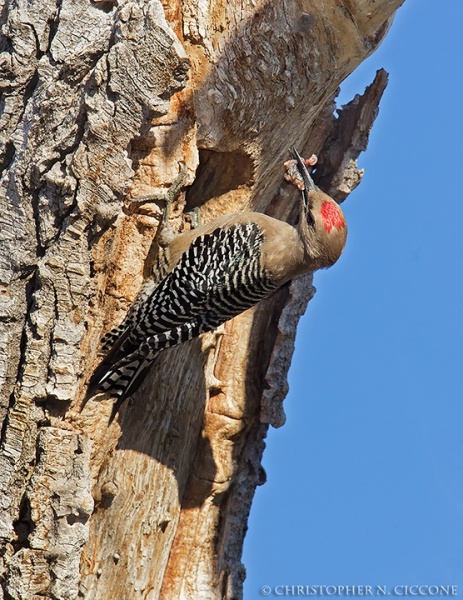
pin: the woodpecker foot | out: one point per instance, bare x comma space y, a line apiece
293, 174
195, 217
168, 197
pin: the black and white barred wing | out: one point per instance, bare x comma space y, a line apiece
217, 278
220, 275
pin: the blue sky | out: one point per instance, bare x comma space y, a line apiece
365, 480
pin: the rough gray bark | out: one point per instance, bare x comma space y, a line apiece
96, 105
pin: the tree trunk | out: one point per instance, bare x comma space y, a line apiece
100, 101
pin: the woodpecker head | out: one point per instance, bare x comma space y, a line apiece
322, 225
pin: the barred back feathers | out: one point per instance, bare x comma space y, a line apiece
219, 276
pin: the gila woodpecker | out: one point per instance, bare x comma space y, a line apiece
215, 272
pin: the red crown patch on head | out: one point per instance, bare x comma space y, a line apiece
332, 216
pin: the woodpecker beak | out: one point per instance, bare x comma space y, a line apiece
308, 181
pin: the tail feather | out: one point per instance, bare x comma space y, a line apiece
125, 378
124, 367
105, 367
118, 379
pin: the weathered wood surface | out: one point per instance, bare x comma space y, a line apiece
96, 105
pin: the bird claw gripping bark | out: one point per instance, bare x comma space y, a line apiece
214, 273
195, 217
293, 173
